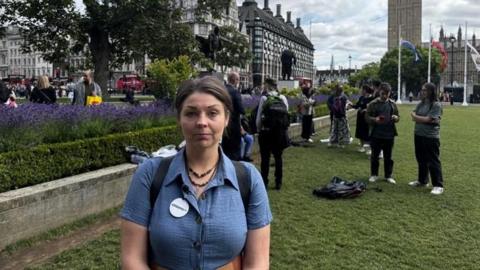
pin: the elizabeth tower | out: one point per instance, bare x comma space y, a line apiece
407, 13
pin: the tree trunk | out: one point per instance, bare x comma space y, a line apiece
101, 53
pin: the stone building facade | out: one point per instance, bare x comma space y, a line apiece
270, 35
408, 14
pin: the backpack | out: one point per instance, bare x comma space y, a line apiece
339, 188
252, 121
275, 114
338, 107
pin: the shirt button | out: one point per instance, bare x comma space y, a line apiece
198, 219
203, 196
197, 245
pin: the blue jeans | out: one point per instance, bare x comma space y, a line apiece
246, 145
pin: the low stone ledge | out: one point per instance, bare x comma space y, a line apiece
29, 211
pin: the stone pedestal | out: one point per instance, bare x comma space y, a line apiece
287, 84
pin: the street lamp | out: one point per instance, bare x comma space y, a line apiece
452, 40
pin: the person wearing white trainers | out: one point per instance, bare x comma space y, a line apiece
361, 128
427, 116
382, 114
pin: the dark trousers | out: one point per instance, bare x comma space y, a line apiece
378, 145
269, 145
307, 121
427, 152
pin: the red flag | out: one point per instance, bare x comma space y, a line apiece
437, 45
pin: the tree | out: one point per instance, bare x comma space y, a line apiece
168, 74
368, 73
236, 48
115, 31
414, 74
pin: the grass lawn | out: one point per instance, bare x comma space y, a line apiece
399, 227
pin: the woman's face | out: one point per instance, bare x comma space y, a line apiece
384, 94
424, 93
203, 120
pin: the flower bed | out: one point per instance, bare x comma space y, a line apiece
31, 124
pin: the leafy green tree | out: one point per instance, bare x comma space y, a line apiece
114, 31
167, 75
414, 74
368, 73
236, 49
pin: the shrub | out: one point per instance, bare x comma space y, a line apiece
53, 161
167, 75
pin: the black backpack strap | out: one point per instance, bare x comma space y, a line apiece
158, 179
244, 182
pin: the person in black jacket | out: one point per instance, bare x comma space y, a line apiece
43, 92
231, 142
4, 92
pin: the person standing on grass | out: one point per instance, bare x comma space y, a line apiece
231, 141
361, 131
273, 131
306, 110
382, 114
199, 219
340, 131
427, 116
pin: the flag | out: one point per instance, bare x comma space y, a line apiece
437, 45
407, 44
475, 56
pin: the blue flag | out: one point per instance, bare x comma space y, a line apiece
407, 44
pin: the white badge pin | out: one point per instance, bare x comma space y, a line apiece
179, 207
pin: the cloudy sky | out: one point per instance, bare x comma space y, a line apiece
359, 27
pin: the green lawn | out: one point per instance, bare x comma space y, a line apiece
398, 228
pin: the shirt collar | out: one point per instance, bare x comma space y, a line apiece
225, 174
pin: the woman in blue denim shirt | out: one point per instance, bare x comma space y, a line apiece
198, 220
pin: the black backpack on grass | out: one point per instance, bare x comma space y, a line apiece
339, 188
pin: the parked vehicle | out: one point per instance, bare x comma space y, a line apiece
132, 81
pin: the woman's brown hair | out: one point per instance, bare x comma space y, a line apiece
207, 85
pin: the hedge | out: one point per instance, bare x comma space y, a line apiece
53, 161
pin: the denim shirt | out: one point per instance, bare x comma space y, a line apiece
213, 231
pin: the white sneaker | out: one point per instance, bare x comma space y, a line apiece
391, 180
373, 178
417, 184
361, 150
310, 140
437, 190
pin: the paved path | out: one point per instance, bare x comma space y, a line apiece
33, 256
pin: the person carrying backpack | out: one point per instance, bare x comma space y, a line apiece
196, 216
272, 123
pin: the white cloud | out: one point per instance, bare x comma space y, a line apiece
359, 27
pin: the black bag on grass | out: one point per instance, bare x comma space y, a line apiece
339, 188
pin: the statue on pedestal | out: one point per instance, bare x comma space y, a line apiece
288, 59
211, 45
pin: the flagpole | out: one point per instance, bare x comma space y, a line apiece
429, 54
465, 72
399, 86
